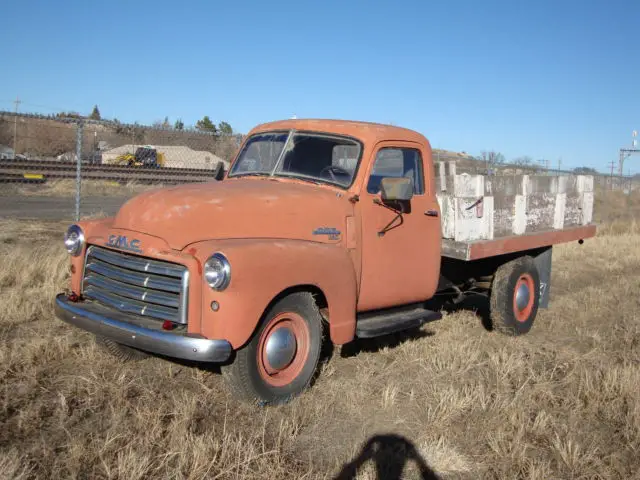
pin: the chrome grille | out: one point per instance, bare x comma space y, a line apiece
136, 284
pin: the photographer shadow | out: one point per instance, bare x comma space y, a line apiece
390, 454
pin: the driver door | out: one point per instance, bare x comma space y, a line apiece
400, 263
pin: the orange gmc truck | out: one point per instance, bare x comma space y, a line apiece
344, 227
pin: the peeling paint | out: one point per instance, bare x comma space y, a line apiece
237, 208
559, 210
513, 205
587, 207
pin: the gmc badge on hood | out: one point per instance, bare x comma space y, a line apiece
121, 242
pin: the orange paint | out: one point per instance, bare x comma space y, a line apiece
403, 265
529, 241
273, 266
281, 377
270, 229
523, 315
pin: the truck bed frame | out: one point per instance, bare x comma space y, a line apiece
478, 249
491, 215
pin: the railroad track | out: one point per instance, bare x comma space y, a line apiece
40, 171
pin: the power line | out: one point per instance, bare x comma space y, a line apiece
544, 163
37, 105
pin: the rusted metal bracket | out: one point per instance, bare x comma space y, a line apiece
398, 213
478, 205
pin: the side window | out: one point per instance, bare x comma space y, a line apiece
397, 162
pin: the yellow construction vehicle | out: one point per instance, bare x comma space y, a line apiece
146, 156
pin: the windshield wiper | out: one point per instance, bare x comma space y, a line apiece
311, 179
306, 178
252, 174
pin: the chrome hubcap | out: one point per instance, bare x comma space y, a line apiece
522, 296
280, 348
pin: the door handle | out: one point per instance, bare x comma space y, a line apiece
431, 213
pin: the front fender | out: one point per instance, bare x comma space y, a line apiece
91, 229
260, 270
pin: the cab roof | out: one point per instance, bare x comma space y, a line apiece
367, 132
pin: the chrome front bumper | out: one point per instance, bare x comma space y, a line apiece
113, 325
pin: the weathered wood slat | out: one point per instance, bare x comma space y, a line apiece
477, 207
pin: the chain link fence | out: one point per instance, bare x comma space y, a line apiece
475, 166
95, 165
81, 158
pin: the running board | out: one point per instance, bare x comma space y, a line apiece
384, 322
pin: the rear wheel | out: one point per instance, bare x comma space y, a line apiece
515, 294
281, 359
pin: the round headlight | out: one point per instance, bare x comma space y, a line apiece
217, 271
74, 240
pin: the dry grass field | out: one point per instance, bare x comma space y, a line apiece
451, 401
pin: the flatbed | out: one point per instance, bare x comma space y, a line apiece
479, 249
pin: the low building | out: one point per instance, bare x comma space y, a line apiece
175, 156
6, 153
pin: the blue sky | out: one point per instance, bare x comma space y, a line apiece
548, 79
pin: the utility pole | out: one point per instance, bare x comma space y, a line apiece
15, 127
626, 152
544, 162
612, 164
559, 164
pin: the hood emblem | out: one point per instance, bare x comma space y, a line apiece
121, 242
333, 233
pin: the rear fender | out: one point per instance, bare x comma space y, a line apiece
261, 270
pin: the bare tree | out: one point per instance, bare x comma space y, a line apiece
491, 158
523, 161
526, 164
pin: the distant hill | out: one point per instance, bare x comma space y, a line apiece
41, 137
47, 138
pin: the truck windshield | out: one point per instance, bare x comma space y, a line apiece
316, 157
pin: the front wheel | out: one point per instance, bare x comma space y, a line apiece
281, 359
515, 294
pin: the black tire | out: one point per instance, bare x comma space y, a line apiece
506, 317
124, 353
246, 375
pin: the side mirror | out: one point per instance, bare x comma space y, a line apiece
219, 171
396, 189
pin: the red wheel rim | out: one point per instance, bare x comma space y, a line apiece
523, 297
295, 324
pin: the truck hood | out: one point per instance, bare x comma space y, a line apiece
238, 208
